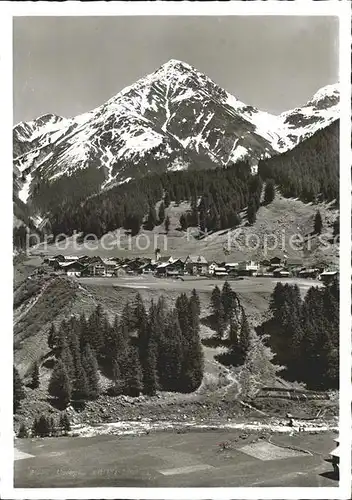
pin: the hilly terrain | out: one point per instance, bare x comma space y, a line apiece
41, 300
172, 120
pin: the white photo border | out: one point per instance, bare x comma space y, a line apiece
342, 10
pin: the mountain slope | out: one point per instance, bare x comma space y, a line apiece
173, 119
310, 170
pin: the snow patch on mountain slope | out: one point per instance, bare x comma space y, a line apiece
23, 193
139, 143
108, 162
239, 153
178, 164
186, 95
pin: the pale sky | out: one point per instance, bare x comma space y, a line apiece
70, 65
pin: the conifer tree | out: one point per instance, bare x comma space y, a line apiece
151, 219
43, 426
195, 299
161, 309
127, 317
167, 224
170, 354
35, 376
318, 223
34, 429
215, 300
161, 213
233, 335
118, 380
134, 376
166, 199
220, 322
52, 426
277, 299
61, 338
90, 367
244, 337
22, 431
150, 375
227, 300
82, 325
193, 358
64, 423
269, 192
252, 211
80, 386
183, 222
202, 220
336, 228
18, 390
59, 384
67, 360
139, 312
97, 326
182, 308
52, 337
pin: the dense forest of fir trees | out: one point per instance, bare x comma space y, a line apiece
304, 334
223, 193
142, 352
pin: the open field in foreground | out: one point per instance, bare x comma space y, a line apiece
168, 459
246, 285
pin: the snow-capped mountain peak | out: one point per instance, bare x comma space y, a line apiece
326, 97
172, 119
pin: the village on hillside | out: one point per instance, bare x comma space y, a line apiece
193, 265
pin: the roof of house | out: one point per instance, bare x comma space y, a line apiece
196, 259
109, 262
294, 261
275, 257
165, 258
147, 264
67, 264
163, 265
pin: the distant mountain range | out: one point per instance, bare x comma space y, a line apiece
173, 119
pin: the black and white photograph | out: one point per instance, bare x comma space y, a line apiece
176, 251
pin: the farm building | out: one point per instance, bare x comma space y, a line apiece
212, 266
72, 268
247, 268
196, 265
276, 261
328, 276
281, 272
220, 272
309, 273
